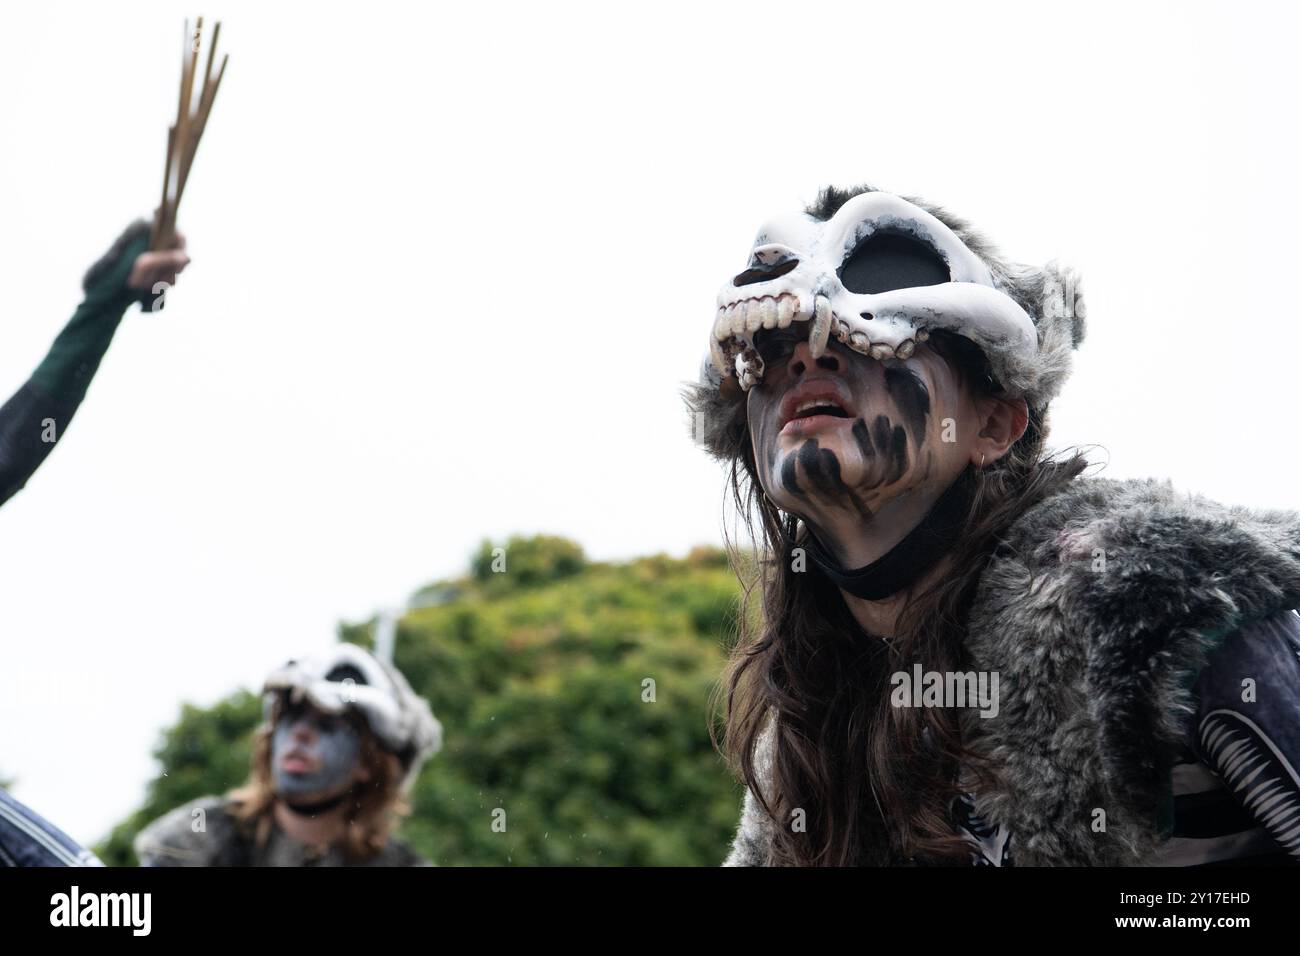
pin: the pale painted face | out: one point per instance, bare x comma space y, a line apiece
314, 756
836, 438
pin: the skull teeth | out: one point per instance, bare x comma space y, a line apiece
750, 315
801, 313
719, 357
750, 366
786, 306
732, 353
821, 327
722, 328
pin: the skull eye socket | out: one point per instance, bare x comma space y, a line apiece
885, 261
342, 672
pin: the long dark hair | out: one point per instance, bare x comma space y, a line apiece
874, 782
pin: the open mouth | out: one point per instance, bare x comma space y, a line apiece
814, 404
819, 407
811, 417
296, 763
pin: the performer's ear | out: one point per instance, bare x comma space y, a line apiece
1002, 422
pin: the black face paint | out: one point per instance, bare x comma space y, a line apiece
906, 562
912, 397
883, 443
889, 440
790, 475
863, 438
898, 450
823, 470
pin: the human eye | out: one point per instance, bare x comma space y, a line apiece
776, 345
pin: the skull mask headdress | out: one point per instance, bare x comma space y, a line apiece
352, 678
879, 272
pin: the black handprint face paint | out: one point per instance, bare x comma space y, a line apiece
838, 437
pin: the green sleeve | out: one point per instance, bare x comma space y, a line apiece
35, 417
76, 353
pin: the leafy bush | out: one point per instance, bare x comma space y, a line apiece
574, 696
207, 752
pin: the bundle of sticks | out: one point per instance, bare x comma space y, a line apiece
184, 135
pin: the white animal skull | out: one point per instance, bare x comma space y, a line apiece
878, 275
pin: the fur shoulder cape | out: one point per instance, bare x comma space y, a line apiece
1097, 611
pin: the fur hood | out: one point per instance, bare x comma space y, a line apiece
1097, 612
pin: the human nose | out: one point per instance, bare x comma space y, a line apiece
801, 360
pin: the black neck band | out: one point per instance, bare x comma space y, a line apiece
316, 809
906, 562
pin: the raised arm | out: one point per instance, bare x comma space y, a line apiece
34, 419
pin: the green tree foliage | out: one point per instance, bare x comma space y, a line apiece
525, 562
575, 701
207, 752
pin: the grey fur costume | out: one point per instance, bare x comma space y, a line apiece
173, 840
1096, 664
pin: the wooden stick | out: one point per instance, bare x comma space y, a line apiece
183, 137
200, 125
177, 131
212, 52
205, 109
182, 130
206, 97
155, 234
189, 64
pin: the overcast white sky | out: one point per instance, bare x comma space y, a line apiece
451, 266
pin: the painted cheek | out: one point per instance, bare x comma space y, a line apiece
339, 748
336, 749
946, 421
762, 411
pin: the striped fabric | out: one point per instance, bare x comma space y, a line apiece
1211, 826
1235, 786
28, 839
990, 844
